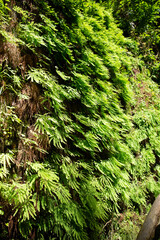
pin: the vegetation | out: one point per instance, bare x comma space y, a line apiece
79, 119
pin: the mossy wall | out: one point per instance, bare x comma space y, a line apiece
79, 121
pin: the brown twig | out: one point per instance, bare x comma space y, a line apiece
105, 225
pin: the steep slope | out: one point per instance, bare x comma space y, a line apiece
79, 119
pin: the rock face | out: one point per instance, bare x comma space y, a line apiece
149, 230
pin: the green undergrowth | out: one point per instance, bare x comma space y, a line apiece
126, 225
79, 119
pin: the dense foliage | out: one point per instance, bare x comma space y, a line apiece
141, 21
79, 121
